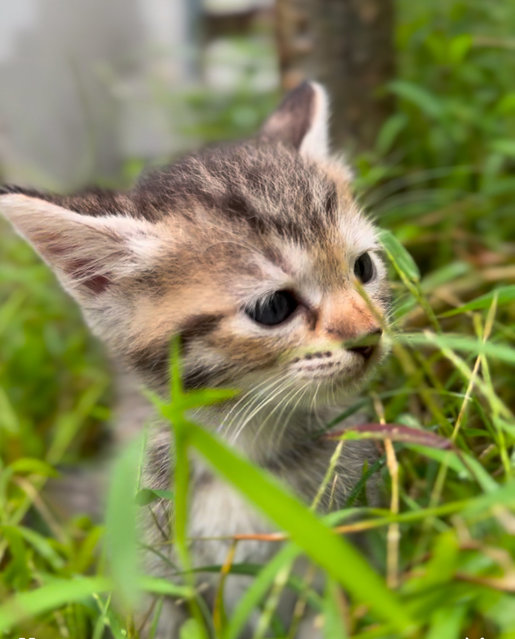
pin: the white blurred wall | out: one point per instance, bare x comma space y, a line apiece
80, 85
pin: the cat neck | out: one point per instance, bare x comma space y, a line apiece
272, 437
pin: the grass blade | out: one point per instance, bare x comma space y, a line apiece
121, 513
504, 295
49, 597
257, 590
400, 257
502, 352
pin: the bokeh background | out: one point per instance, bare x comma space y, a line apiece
90, 87
424, 109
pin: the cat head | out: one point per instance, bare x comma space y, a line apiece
254, 253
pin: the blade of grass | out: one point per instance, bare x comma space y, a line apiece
121, 534
503, 294
502, 352
51, 596
334, 612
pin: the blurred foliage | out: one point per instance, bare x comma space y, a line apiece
451, 142
50, 367
442, 179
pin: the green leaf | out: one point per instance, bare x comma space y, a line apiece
164, 587
191, 630
447, 457
504, 147
250, 600
502, 352
146, 496
399, 256
17, 569
41, 544
334, 622
333, 553
443, 275
441, 566
459, 46
390, 131
504, 295
418, 96
463, 464
193, 399
121, 533
466, 466
8, 418
506, 104
501, 496
447, 622
51, 596
31, 466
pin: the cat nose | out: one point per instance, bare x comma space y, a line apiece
366, 345
349, 319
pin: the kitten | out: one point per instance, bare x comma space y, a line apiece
255, 255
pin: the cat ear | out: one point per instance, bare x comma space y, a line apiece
88, 254
302, 120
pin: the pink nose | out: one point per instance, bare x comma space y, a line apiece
346, 316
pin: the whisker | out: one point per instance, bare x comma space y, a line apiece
242, 399
243, 403
248, 411
277, 391
285, 407
292, 412
267, 419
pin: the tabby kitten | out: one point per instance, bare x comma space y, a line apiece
256, 255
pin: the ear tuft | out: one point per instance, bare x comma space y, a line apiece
302, 121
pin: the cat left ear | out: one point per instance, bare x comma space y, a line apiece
302, 121
88, 254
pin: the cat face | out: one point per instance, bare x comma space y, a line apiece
254, 253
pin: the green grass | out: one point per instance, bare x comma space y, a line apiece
442, 554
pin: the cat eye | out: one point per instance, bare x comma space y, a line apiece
274, 309
364, 268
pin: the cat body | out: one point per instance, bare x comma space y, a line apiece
257, 256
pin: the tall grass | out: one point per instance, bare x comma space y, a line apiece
441, 561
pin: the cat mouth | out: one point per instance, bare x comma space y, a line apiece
331, 371
353, 362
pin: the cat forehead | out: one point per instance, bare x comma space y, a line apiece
263, 210
256, 188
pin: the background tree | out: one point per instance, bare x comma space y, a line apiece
348, 46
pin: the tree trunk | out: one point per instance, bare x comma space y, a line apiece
347, 45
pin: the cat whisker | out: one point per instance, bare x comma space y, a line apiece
241, 399
276, 392
270, 414
285, 424
312, 408
242, 415
284, 408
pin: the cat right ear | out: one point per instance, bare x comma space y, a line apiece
301, 121
90, 255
